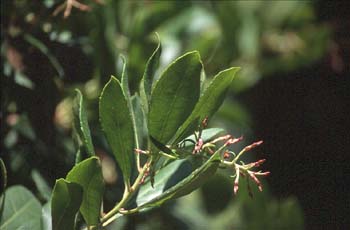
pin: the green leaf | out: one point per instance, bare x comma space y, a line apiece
174, 96
126, 90
81, 124
161, 146
80, 155
3, 175
124, 79
46, 219
88, 175
185, 147
3, 183
21, 210
65, 203
164, 179
140, 120
207, 135
116, 122
148, 76
25, 127
175, 180
23, 80
41, 185
209, 102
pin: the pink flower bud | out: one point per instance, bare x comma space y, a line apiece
255, 144
198, 146
205, 122
262, 173
140, 151
222, 138
258, 163
236, 184
232, 141
226, 155
256, 180
235, 188
144, 177
211, 152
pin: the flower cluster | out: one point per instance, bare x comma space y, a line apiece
240, 169
219, 145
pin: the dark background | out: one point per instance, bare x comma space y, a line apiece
304, 118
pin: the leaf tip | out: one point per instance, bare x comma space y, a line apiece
123, 58
233, 70
158, 37
113, 78
78, 92
196, 54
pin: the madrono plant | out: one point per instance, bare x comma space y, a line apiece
159, 139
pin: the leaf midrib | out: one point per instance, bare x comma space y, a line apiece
123, 153
170, 110
87, 194
87, 138
17, 212
64, 210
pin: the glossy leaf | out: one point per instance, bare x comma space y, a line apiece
175, 180
88, 175
148, 76
81, 124
21, 210
174, 96
65, 202
209, 102
116, 122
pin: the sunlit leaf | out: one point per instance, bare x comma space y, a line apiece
21, 210
148, 77
140, 120
46, 219
174, 96
126, 90
209, 102
207, 134
177, 179
116, 122
81, 124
